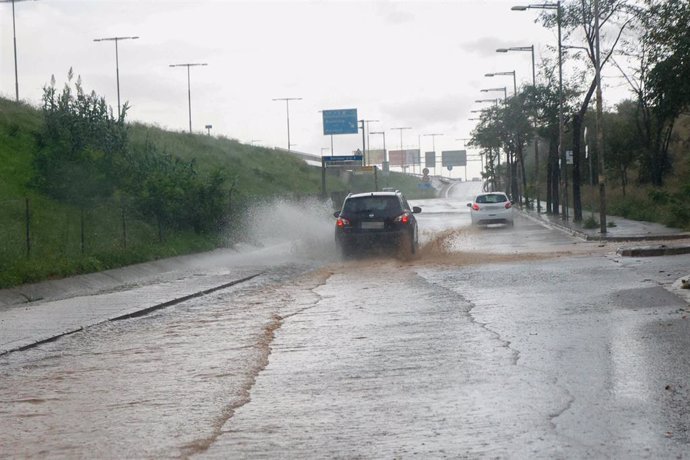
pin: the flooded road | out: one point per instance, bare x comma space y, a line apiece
495, 342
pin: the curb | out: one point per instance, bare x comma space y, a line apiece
587, 237
653, 251
133, 314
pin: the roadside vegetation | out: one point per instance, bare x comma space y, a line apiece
644, 161
82, 190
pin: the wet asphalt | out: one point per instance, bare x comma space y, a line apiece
502, 343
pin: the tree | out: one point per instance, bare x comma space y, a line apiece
578, 22
665, 92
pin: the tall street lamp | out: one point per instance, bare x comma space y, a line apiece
366, 151
512, 72
189, 87
117, 64
433, 146
561, 151
505, 92
494, 101
287, 109
536, 136
385, 153
523, 48
14, 38
401, 137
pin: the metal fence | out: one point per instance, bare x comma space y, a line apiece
36, 228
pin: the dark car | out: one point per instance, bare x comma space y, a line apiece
376, 220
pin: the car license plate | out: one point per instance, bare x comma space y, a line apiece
376, 225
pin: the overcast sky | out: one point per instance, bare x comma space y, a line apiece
408, 64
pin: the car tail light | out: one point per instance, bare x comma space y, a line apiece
342, 222
403, 218
509, 205
475, 206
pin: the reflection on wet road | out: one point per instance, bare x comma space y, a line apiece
494, 342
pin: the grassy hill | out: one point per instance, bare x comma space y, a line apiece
65, 240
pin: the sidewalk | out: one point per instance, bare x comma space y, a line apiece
622, 230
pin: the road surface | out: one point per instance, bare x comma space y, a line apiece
501, 342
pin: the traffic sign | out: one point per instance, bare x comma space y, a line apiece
341, 121
343, 158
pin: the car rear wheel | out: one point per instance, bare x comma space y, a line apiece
406, 247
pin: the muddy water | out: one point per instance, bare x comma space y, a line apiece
166, 385
161, 386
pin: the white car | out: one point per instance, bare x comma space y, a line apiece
491, 208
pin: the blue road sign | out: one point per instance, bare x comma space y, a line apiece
342, 121
343, 158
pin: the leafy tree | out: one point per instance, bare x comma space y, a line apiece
578, 22
665, 74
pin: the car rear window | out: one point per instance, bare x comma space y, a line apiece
493, 198
381, 205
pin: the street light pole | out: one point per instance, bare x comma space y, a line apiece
512, 72
287, 109
189, 87
366, 152
536, 135
504, 89
117, 65
561, 151
385, 153
433, 146
600, 132
14, 42
401, 138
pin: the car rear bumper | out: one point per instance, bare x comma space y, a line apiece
370, 239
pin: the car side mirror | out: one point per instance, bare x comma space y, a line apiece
416, 209
336, 214
469, 205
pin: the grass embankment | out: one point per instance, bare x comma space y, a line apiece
669, 205
65, 240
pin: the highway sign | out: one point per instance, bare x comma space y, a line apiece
454, 158
344, 160
430, 159
341, 121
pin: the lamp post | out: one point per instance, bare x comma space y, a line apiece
600, 133
505, 92
14, 38
401, 138
366, 151
385, 153
117, 64
561, 151
189, 87
464, 139
536, 136
287, 109
494, 101
523, 48
512, 72
433, 144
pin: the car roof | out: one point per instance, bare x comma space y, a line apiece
491, 193
361, 195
